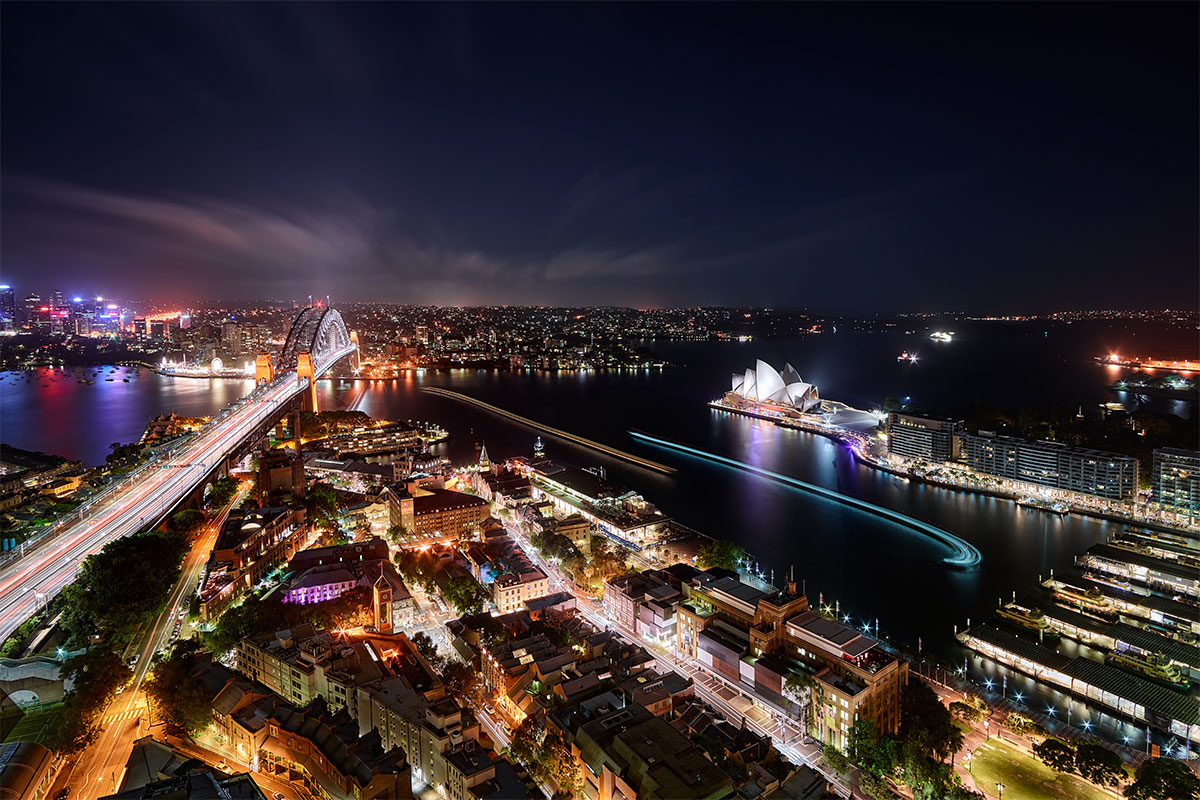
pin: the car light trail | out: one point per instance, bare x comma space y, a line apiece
965, 555
153, 491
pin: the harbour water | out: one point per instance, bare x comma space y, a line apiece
878, 572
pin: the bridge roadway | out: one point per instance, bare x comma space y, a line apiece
156, 489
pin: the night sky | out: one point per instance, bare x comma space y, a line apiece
1012, 157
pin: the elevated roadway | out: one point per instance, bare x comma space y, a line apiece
146, 496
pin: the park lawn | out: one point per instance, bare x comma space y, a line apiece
1028, 778
36, 726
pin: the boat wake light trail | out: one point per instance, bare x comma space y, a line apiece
965, 554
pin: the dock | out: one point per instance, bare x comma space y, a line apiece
1115, 690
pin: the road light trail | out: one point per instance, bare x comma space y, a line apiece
570, 437
154, 490
965, 555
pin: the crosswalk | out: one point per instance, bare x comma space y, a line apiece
132, 713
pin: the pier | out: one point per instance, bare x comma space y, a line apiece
561, 434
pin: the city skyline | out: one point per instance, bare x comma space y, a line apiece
986, 158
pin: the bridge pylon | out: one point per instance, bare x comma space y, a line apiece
305, 369
264, 370
355, 358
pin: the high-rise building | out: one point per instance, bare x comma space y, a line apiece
8, 302
1051, 464
1176, 479
231, 338
930, 438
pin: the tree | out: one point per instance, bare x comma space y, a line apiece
1099, 765
1056, 755
524, 744
608, 558
428, 650
178, 696
122, 586
97, 674
462, 681
926, 724
835, 759
321, 503
466, 595
223, 490
1163, 779
187, 522
720, 553
874, 786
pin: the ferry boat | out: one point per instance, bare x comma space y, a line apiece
1156, 667
1092, 600
1031, 619
911, 358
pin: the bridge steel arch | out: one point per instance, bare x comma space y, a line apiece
317, 339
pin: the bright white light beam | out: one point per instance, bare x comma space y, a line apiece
966, 555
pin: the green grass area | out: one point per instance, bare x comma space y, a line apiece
1024, 777
36, 726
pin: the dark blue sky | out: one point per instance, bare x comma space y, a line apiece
1009, 157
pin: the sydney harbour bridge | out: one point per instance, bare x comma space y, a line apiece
284, 385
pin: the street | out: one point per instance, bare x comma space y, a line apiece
98, 770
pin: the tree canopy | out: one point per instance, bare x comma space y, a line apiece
124, 585
1056, 755
178, 696
720, 553
97, 674
1163, 779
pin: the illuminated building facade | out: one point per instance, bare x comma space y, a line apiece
1176, 479
767, 386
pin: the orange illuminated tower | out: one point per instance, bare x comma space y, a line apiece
305, 369
355, 359
264, 370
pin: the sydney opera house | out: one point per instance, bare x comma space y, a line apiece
775, 391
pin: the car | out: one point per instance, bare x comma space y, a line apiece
133, 659
63, 793
278, 796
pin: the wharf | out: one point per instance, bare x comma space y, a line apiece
1122, 636
1145, 569
1132, 697
1155, 609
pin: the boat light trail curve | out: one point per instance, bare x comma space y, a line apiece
965, 555
570, 437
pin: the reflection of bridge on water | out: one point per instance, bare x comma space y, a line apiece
317, 340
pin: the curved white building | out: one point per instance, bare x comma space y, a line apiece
765, 384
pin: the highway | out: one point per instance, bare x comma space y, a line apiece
141, 499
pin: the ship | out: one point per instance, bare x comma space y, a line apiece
907, 356
1092, 601
1155, 667
1031, 619
942, 336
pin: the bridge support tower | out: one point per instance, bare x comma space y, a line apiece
305, 369
355, 358
264, 370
